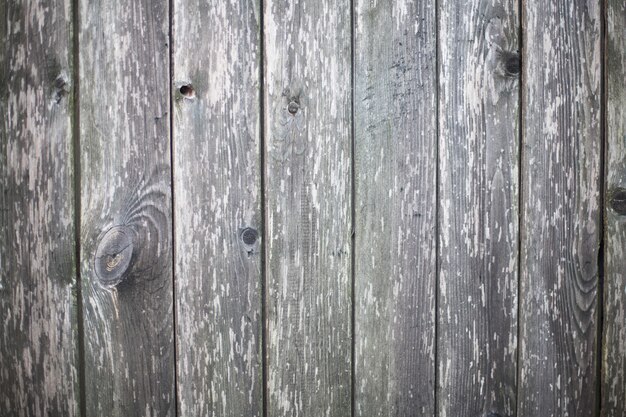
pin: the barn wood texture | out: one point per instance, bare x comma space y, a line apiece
323, 208
561, 208
126, 213
614, 355
308, 207
479, 70
217, 195
395, 207
38, 315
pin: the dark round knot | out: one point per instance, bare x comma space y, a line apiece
512, 64
249, 236
618, 201
113, 256
293, 107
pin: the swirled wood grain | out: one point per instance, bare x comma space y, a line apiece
126, 220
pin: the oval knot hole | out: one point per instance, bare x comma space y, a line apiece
249, 236
113, 256
618, 201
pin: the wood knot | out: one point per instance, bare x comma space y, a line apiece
512, 64
187, 91
60, 88
113, 256
249, 237
293, 107
618, 201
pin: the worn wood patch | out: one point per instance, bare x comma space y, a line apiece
38, 318
478, 208
560, 208
217, 195
308, 189
126, 220
395, 207
614, 341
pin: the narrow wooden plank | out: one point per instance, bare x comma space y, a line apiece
478, 208
560, 208
308, 194
395, 207
126, 245
38, 317
217, 195
614, 342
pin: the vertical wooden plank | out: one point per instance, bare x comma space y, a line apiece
126, 245
308, 194
218, 221
395, 207
38, 340
560, 208
478, 211
614, 345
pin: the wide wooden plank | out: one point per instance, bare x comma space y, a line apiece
308, 193
217, 195
38, 316
560, 208
395, 138
614, 342
126, 220
478, 207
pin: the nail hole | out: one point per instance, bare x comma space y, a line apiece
293, 107
187, 91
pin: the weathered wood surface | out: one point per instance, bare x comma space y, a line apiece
614, 344
126, 244
462, 215
217, 196
308, 194
38, 318
560, 208
478, 207
395, 207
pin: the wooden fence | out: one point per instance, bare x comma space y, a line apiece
313, 208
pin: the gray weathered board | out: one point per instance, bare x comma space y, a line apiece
308, 184
324, 208
613, 384
125, 208
395, 139
561, 216
478, 207
39, 368
217, 211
